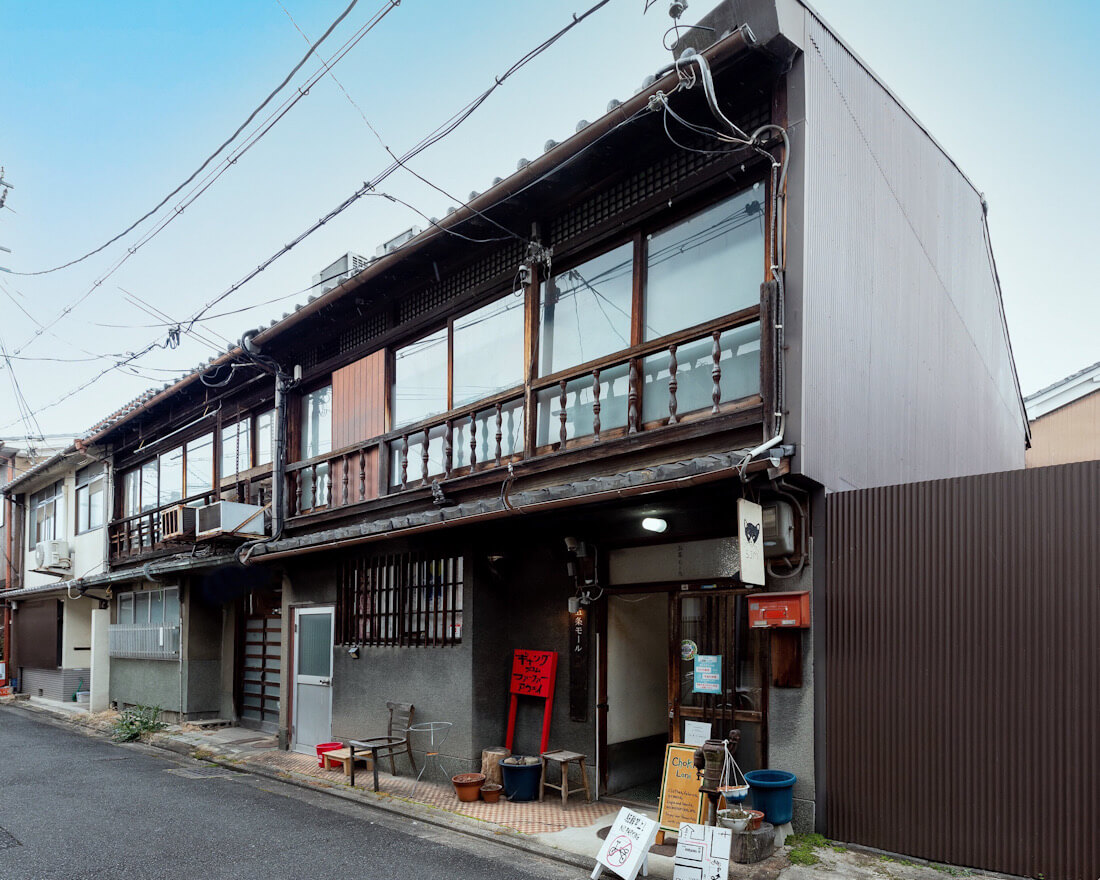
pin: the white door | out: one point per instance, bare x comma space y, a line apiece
313, 633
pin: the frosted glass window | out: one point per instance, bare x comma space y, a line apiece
131, 492
710, 265
315, 644
317, 422
488, 350
149, 485
126, 608
585, 311
171, 607
156, 607
265, 437
420, 379
141, 608
200, 465
739, 361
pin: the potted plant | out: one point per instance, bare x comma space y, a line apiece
737, 819
468, 785
490, 792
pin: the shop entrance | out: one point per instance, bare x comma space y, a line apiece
648, 695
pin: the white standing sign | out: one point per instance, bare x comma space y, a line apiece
627, 845
702, 853
750, 541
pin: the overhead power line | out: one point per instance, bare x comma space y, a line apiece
217, 152
429, 140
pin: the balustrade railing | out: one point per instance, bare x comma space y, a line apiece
688, 376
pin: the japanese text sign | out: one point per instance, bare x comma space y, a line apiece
533, 673
708, 674
627, 844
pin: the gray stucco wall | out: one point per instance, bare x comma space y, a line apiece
202, 647
900, 367
146, 682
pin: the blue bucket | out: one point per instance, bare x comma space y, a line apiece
772, 794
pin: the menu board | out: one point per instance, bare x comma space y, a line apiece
681, 800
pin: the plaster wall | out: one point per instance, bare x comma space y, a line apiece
100, 698
637, 666
76, 633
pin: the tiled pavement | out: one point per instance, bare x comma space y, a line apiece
527, 817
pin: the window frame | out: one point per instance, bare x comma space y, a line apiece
186, 497
41, 499
84, 485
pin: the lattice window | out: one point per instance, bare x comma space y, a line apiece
408, 600
503, 259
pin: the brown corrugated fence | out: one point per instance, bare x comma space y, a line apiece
963, 670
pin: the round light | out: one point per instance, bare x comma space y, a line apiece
654, 524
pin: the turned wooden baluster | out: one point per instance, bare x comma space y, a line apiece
473, 442
424, 460
362, 474
596, 405
448, 451
672, 386
632, 399
344, 466
298, 491
716, 372
500, 431
315, 499
405, 462
562, 415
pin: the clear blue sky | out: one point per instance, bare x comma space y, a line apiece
106, 107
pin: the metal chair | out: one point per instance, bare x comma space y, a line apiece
396, 741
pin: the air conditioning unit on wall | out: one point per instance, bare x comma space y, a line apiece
52, 554
177, 522
225, 518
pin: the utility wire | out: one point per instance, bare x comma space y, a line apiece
216, 173
442, 131
214, 155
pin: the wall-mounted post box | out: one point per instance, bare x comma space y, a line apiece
779, 610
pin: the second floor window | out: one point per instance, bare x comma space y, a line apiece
46, 513
473, 357
91, 485
186, 471
316, 440
236, 448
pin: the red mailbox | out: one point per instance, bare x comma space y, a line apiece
779, 610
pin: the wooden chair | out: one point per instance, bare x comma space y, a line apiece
394, 742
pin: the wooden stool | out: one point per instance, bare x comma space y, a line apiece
563, 759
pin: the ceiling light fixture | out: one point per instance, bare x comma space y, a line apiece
654, 524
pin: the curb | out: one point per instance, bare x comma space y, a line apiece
480, 829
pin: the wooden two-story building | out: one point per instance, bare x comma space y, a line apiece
759, 277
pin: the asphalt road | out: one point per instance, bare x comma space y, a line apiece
74, 807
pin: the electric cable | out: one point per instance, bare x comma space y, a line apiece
224, 144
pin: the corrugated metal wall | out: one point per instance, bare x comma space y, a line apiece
963, 674
906, 372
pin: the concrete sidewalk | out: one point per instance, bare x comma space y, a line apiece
545, 829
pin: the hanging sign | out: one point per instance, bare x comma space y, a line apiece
750, 540
627, 845
578, 665
702, 853
708, 674
681, 801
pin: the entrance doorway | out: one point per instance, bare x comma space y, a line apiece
259, 641
714, 624
648, 695
637, 674
313, 638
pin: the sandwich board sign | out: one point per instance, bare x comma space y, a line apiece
702, 853
681, 801
627, 845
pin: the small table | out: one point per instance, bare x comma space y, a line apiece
344, 757
563, 759
372, 745
437, 735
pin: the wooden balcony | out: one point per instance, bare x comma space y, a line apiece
655, 393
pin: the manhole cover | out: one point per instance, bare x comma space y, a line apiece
6, 840
202, 773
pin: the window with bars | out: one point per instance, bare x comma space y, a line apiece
407, 600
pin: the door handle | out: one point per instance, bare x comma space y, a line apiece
327, 682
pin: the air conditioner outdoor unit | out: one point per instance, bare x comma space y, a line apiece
230, 518
52, 554
177, 522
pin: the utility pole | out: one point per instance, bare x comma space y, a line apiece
5, 188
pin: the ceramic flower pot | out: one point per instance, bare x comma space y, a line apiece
490, 792
468, 785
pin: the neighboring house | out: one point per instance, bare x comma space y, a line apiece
533, 434
1065, 420
60, 506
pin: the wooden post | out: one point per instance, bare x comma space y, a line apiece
672, 386
716, 372
596, 404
